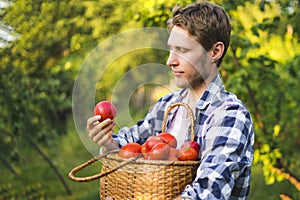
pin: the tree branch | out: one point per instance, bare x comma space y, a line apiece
36, 147
8, 165
285, 197
288, 177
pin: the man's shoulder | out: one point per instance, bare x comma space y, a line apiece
234, 103
229, 102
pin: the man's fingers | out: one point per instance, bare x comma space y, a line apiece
102, 132
99, 127
106, 138
98, 132
92, 121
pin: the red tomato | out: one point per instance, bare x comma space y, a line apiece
144, 151
106, 110
187, 154
169, 139
173, 155
160, 151
151, 141
191, 144
130, 150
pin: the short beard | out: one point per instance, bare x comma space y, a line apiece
193, 83
197, 81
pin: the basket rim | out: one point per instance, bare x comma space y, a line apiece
141, 160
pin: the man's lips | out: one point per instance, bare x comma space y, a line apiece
177, 73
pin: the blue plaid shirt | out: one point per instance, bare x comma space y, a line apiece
224, 130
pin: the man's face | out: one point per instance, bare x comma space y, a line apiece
191, 64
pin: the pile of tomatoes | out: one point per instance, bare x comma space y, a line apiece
161, 147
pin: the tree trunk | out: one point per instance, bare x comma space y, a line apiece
54, 168
8, 165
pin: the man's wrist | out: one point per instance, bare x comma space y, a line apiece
111, 146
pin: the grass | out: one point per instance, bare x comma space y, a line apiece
36, 180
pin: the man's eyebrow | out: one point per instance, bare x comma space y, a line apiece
178, 46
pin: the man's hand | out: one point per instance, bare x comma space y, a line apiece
101, 132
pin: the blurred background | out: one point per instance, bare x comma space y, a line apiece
42, 46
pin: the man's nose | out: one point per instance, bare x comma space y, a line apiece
172, 60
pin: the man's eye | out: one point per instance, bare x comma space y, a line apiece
183, 50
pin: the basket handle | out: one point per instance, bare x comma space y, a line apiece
190, 113
99, 175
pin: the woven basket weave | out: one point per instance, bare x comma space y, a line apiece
136, 178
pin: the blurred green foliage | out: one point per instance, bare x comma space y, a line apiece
38, 69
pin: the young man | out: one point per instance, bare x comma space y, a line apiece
199, 38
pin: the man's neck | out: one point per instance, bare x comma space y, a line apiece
197, 91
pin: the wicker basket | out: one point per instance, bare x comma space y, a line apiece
136, 178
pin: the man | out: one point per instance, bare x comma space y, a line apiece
199, 38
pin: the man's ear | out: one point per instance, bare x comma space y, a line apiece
216, 51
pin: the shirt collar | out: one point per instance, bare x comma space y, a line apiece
211, 93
